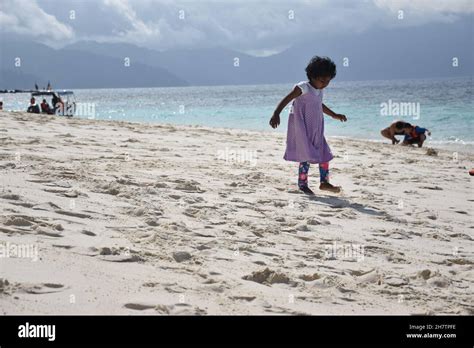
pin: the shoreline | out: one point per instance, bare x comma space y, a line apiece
137, 218
447, 146
464, 149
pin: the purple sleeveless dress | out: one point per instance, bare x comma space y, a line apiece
305, 141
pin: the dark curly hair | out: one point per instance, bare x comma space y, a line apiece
320, 67
401, 125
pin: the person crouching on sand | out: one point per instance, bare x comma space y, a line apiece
396, 128
305, 141
413, 134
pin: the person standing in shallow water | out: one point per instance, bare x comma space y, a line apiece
305, 141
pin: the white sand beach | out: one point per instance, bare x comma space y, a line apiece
107, 217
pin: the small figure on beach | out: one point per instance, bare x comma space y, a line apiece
396, 128
33, 108
413, 134
58, 105
305, 141
1, 105
45, 108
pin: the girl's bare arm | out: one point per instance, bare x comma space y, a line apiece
331, 113
275, 120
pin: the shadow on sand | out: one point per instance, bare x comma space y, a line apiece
336, 202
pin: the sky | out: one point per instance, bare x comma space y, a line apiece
258, 28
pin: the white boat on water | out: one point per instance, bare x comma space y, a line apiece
63, 101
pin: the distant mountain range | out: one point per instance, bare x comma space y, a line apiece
68, 68
419, 52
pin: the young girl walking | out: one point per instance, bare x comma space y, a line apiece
305, 141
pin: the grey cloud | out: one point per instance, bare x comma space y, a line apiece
257, 27
28, 18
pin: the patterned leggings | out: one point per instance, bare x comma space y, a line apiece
304, 169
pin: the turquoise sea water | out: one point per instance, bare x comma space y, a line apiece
445, 106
